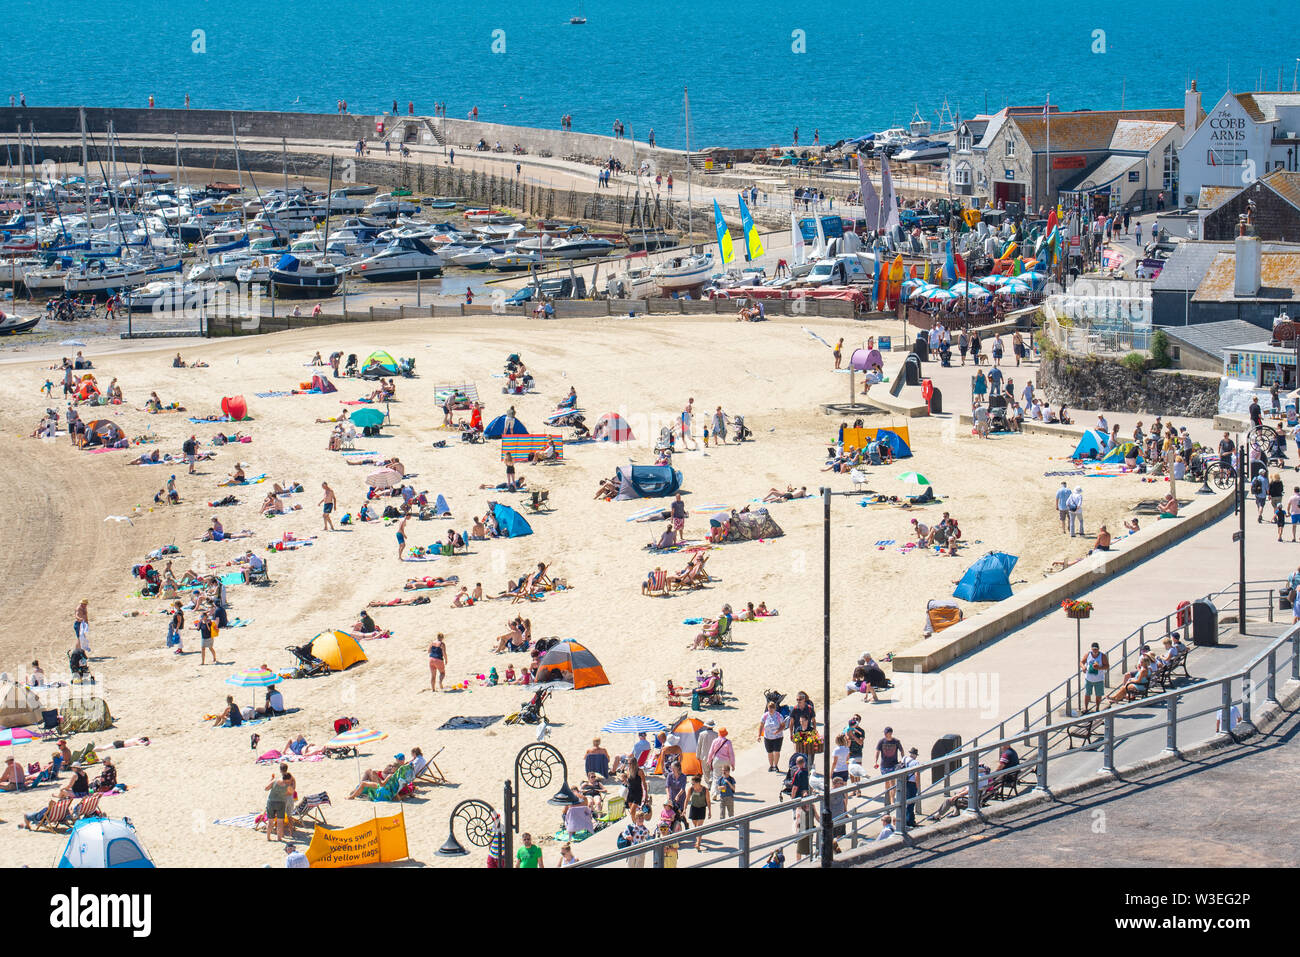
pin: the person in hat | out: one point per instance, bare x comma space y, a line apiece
913, 785
294, 857
703, 743
721, 754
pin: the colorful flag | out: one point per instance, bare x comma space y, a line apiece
949, 266
753, 244
724, 235
870, 201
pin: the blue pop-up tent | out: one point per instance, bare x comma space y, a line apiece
1090, 446
989, 579
497, 427
900, 449
646, 481
509, 522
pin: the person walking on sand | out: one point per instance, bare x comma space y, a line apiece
327, 503
401, 537
1063, 504
687, 414
719, 427
437, 663
837, 352
81, 626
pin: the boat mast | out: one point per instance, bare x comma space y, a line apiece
284, 164
690, 223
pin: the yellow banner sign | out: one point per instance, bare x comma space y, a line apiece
377, 841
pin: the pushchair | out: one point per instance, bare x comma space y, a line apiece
79, 667
309, 666
406, 367
998, 420
350, 368
532, 711
743, 431
666, 441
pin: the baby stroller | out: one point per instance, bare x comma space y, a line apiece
789, 775
998, 421
533, 711
406, 367
351, 367
513, 363
666, 441
309, 666
743, 431
79, 666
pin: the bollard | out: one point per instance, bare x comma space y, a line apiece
1270, 696
1171, 729
973, 783
1108, 741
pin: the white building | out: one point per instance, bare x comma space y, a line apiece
1244, 136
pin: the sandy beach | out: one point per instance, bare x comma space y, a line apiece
62, 547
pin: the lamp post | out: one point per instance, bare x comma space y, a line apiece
478, 819
828, 826
534, 763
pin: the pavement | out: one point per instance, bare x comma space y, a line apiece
1235, 807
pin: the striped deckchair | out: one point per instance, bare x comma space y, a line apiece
657, 582
56, 816
519, 447
468, 389
88, 808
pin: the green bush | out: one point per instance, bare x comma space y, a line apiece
1160, 350
1135, 362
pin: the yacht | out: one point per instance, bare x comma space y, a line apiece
168, 296
294, 278
46, 280
923, 151
515, 261
474, 257
98, 277
340, 203
404, 259
391, 206
221, 267
683, 272
583, 246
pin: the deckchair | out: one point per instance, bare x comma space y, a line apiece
88, 808
615, 808
722, 638
430, 773
392, 787
55, 816
538, 501
309, 809
657, 583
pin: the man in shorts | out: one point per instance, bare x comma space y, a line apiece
206, 640
190, 447
327, 503
1095, 666
1063, 504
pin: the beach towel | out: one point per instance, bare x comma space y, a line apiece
460, 722
272, 395
248, 821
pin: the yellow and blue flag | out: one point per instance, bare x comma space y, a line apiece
753, 244
724, 235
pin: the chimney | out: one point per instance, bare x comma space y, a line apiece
1191, 111
1246, 280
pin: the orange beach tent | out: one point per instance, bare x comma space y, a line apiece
571, 661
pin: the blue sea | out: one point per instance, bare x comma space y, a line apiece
755, 71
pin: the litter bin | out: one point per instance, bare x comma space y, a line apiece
945, 745
921, 348
1205, 623
912, 369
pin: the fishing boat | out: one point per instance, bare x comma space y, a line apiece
293, 278
404, 259
683, 272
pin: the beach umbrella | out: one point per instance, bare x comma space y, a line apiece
253, 678
384, 478
634, 724
354, 739
13, 736
367, 417
914, 478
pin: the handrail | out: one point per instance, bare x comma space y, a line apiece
977, 785
1070, 685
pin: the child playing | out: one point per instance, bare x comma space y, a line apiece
510, 674
706, 436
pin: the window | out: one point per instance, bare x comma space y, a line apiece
1169, 179
961, 174
1225, 157
964, 142
1011, 146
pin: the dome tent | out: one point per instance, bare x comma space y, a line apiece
19, 706
571, 661
497, 427
101, 842
612, 427
337, 649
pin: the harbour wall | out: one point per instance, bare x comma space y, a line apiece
339, 128
1094, 383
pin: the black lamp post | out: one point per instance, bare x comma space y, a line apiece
828, 826
478, 817
535, 763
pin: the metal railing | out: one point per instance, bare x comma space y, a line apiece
965, 782
1128, 648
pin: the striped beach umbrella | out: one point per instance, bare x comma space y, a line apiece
914, 478
355, 738
634, 724
253, 678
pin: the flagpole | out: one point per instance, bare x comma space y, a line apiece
1047, 181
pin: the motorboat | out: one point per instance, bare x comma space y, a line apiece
98, 277
404, 259
12, 325
294, 278
17, 243
515, 261
361, 190
923, 151
256, 271
484, 215
474, 257
683, 272
340, 203
391, 207
583, 247
170, 296
221, 267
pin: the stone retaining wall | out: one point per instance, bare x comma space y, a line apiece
1089, 382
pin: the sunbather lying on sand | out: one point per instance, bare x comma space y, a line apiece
607, 489
150, 458
775, 496
413, 584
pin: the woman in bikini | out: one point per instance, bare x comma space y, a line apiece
437, 662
